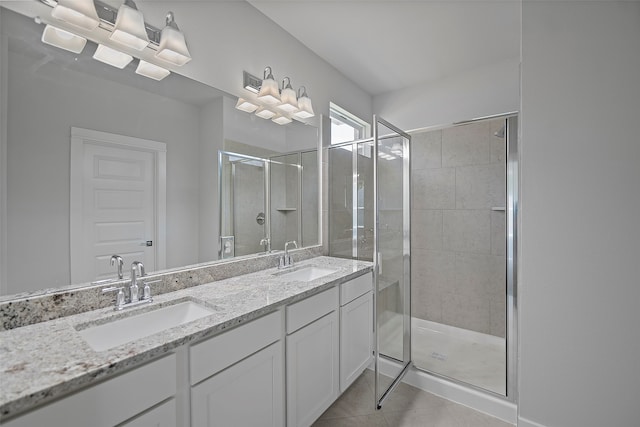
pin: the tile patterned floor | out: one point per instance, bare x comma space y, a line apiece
406, 407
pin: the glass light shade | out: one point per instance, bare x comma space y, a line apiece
305, 108
269, 92
288, 99
81, 13
63, 39
281, 120
112, 57
396, 149
129, 28
173, 46
246, 106
265, 113
151, 70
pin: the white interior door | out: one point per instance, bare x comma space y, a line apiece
114, 203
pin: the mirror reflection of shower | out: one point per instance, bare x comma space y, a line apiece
266, 201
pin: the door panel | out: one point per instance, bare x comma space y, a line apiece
392, 260
113, 205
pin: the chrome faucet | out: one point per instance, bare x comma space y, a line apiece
136, 266
266, 242
137, 273
285, 259
117, 259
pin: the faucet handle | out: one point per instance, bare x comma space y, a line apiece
119, 297
146, 292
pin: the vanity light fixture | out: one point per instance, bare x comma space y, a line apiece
124, 26
173, 46
129, 28
305, 108
265, 113
81, 13
269, 90
152, 71
288, 98
112, 57
282, 106
63, 39
246, 106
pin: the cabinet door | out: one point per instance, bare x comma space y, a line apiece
161, 416
312, 370
356, 339
249, 393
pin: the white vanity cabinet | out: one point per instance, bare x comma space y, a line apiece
163, 415
312, 357
356, 328
237, 377
114, 401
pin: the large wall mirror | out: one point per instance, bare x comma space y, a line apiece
100, 161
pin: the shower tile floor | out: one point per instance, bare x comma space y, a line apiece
406, 407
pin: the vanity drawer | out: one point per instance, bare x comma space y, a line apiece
110, 402
215, 354
354, 288
306, 311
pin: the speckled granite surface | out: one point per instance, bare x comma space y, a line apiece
42, 361
26, 309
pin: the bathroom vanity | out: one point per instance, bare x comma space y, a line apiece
284, 343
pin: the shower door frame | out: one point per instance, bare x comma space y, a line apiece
406, 179
406, 254
512, 135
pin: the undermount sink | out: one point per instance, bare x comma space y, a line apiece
131, 328
306, 274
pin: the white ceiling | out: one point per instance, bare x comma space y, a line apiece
386, 45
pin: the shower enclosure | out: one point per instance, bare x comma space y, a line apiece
265, 202
463, 211
452, 313
369, 220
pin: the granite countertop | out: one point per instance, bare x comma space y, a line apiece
47, 360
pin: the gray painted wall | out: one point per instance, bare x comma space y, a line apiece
580, 205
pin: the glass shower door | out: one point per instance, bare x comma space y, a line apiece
392, 274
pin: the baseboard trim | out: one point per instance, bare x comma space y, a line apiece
490, 405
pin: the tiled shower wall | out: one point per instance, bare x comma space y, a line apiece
457, 234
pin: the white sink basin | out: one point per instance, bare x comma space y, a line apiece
121, 331
306, 274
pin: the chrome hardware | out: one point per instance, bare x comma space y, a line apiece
285, 259
137, 271
260, 218
266, 242
117, 259
146, 292
136, 266
119, 298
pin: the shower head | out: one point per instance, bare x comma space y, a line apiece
500, 132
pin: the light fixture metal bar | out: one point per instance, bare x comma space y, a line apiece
251, 82
108, 15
